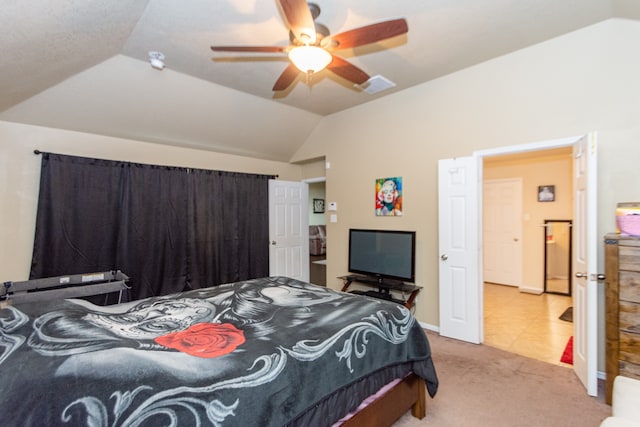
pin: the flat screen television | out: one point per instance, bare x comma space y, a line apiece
383, 254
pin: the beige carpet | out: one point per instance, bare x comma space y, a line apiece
484, 386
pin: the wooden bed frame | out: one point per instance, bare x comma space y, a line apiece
410, 393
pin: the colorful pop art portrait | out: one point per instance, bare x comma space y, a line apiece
389, 196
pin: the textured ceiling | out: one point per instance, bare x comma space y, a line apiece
76, 65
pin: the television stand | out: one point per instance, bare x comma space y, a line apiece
384, 288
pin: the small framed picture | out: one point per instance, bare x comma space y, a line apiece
546, 193
318, 205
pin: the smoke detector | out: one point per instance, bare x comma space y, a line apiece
157, 60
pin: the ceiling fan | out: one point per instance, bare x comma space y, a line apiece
312, 47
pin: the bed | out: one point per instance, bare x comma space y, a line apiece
271, 352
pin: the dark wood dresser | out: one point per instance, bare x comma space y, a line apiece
622, 308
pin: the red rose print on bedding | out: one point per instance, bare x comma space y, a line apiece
204, 339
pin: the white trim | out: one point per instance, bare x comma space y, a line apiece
526, 290
429, 327
532, 146
520, 148
314, 180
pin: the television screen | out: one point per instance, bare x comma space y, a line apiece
383, 253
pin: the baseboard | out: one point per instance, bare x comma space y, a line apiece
534, 291
429, 327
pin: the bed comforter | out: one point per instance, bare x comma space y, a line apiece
269, 352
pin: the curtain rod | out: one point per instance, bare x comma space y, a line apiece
36, 152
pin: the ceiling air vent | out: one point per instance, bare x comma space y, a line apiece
376, 84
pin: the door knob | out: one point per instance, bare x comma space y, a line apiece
444, 257
598, 276
515, 239
273, 242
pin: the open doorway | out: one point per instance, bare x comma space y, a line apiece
520, 316
317, 233
459, 229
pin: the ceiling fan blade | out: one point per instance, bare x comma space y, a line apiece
347, 70
367, 34
275, 49
286, 78
300, 20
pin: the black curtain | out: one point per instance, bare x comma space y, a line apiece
230, 213
167, 228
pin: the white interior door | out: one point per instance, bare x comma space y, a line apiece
585, 263
459, 275
288, 229
502, 231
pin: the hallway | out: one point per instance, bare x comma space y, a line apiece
318, 269
526, 324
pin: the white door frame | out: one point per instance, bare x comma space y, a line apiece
314, 180
304, 255
535, 146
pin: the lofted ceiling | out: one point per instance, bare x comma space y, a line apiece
85, 65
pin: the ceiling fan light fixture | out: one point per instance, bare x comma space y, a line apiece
310, 59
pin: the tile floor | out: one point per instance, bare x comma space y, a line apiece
526, 324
